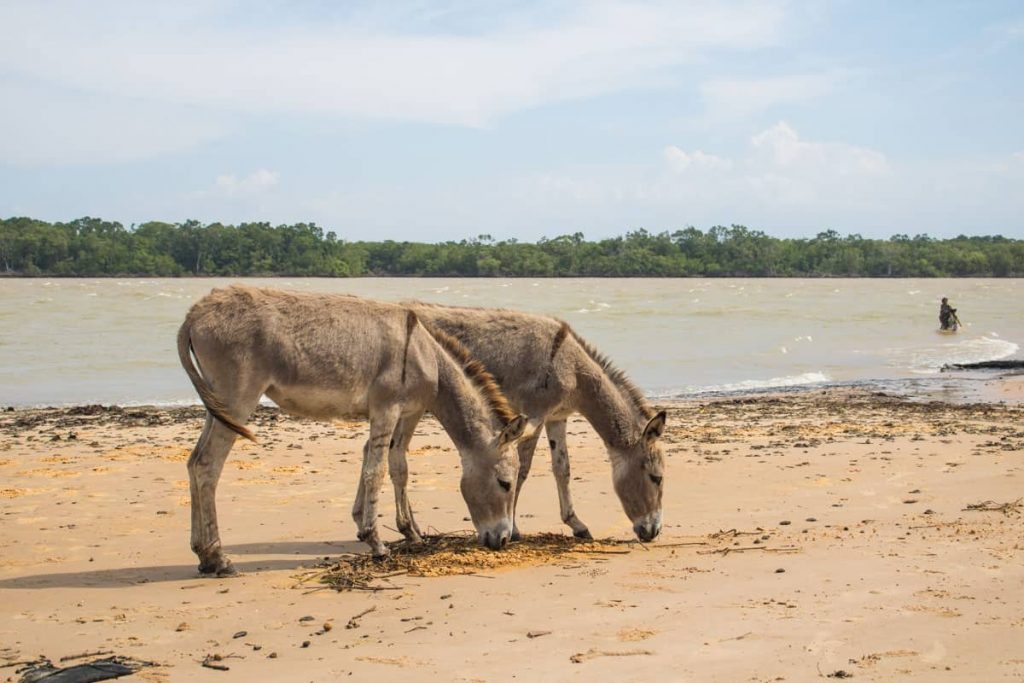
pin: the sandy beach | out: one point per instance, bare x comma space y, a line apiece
811, 535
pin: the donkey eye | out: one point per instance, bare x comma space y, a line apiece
655, 478
507, 485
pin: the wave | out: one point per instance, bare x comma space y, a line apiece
931, 359
748, 385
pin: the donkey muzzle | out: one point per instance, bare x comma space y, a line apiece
647, 530
495, 540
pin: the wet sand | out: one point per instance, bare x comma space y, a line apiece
805, 535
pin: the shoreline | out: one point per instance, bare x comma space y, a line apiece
963, 387
820, 531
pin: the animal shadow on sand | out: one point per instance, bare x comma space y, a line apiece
303, 553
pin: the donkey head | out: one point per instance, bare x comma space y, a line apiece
637, 472
488, 485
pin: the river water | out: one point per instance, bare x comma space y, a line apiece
73, 341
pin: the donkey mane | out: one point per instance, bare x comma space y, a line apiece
616, 375
474, 371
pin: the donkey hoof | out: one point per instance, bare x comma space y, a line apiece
380, 557
515, 535
219, 567
583, 534
227, 571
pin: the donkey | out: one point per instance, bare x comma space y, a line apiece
323, 357
549, 372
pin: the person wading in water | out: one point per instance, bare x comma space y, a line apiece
947, 316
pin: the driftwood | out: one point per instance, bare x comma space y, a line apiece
992, 506
592, 653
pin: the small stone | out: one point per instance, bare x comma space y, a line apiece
305, 643
812, 519
240, 634
780, 570
785, 522
306, 618
272, 655
328, 626
182, 627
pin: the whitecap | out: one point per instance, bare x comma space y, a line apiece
803, 379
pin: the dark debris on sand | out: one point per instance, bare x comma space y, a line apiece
454, 554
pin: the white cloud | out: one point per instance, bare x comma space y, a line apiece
41, 126
681, 161
779, 168
255, 183
731, 97
777, 174
781, 147
189, 54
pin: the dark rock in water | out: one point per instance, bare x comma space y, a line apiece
986, 365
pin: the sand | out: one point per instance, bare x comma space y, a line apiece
827, 533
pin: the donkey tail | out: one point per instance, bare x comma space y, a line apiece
210, 401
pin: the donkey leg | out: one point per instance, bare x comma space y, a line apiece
204, 469
560, 468
382, 427
398, 466
357, 506
525, 448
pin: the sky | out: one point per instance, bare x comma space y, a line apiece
430, 121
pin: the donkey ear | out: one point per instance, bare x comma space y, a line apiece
513, 430
656, 427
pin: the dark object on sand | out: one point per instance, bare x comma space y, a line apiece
100, 670
986, 365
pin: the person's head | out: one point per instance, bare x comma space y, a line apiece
945, 300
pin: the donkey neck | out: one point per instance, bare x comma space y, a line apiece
604, 405
460, 409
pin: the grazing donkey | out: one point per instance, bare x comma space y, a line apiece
549, 372
324, 356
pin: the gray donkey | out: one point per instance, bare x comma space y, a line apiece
324, 357
549, 372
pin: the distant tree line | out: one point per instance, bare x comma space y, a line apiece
94, 247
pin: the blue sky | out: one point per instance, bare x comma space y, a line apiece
443, 120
